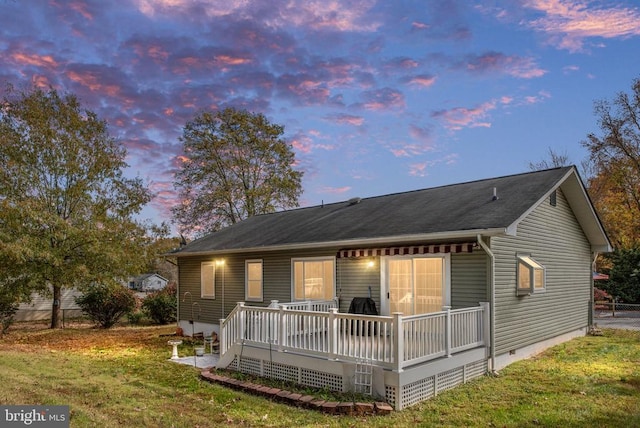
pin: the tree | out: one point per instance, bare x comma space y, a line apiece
615, 158
66, 209
236, 165
624, 277
555, 160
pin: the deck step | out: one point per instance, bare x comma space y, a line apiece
363, 377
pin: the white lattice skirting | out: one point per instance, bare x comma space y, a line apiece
423, 389
401, 391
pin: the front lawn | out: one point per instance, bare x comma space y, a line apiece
122, 377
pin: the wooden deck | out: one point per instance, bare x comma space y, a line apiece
392, 342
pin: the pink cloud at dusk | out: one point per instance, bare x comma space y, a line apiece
458, 118
515, 66
346, 119
423, 80
335, 190
569, 23
383, 99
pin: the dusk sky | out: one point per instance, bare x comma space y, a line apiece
376, 97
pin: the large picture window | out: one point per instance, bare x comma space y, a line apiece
253, 275
530, 276
314, 279
208, 280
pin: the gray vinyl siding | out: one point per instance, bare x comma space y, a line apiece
553, 238
469, 279
355, 277
276, 271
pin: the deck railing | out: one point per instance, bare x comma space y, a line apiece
393, 342
307, 305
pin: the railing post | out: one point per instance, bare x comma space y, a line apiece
398, 341
486, 337
274, 304
283, 328
447, 330
333, 333
242, 320
223, 338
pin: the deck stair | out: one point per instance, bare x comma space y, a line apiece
363, 377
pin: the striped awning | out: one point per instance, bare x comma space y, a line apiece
466, 247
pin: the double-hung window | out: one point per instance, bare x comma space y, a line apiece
253, 285
314, 279
208, 280
530, 275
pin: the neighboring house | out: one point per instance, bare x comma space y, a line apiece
40, 306
466, 278
148, 282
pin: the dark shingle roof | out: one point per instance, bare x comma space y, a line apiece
437, 211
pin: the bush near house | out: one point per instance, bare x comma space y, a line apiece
161, 306
106, 304
600, 297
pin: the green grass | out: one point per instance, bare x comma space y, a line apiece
122, 378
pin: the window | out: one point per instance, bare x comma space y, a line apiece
313, 279
208, 280
417, 285
530, 276
253, 286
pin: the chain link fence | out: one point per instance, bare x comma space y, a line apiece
617, 315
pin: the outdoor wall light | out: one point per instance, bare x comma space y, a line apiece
371, 263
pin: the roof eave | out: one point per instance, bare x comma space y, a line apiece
582, 207
360, 242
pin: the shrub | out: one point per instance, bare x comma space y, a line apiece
600, 295
161, 306
106, 304
135, 316
8, 308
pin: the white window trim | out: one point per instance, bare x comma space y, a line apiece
533, 265
311, 259
207, 265
246, 281
384, 279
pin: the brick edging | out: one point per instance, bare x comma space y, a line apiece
300, 400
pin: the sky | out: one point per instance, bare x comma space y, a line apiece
376, 97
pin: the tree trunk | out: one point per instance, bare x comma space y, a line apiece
55, 308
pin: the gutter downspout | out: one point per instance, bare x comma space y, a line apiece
592, 299
492, 312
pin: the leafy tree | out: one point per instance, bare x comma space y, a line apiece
105, 304
163, 266
66, 209
624, 277
236, 165
614, 185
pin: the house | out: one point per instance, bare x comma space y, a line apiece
148, 282
465, 278
39, 308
